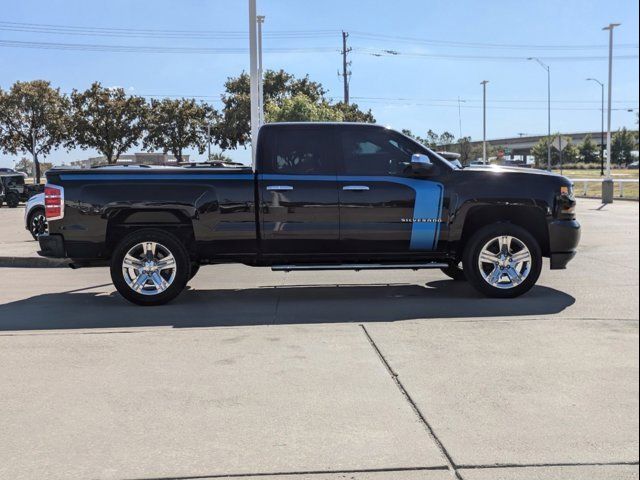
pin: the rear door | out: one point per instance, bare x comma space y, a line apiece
384, 208
298, 189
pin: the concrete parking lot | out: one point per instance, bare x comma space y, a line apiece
325, 376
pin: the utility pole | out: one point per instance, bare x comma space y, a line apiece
346, 73
253, 73
602, 147
260, 19
548, 69
484, 121
208, 142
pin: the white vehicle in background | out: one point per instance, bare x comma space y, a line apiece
34, 217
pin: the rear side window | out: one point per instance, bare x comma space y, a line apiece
376, 151
300, 151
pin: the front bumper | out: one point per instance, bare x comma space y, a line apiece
564, 237
51, 246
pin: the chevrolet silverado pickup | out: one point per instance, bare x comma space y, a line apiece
320, 196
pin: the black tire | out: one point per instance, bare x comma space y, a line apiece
12, 200
39, 227
195, 268
455, 272
169, 243
478, 241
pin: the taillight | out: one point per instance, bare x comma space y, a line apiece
53, 202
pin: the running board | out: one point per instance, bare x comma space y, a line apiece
359, 266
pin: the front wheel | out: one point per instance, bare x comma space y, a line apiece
150, 267
502, 260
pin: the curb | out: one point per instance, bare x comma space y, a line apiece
34, 262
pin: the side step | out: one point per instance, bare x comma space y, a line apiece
359, 266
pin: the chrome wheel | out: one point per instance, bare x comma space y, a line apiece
39, 225
505, 262
149, 268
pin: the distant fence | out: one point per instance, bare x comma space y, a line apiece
590, 187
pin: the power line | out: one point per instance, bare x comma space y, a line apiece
284, 34
154, 33
153, 49
448, 43
394, 53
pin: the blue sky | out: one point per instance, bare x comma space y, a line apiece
443, 47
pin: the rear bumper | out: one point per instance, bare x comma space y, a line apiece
51, 246
564, 237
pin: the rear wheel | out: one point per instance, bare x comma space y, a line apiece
37, 223
150, 267
502, 260
12, 200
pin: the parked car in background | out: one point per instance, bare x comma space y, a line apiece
35, 219
633, 165
13, 190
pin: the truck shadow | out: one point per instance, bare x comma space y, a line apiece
303, 304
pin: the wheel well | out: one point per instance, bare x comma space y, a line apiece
124, 222
530, 218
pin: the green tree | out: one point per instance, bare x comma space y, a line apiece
174, 125
352, 113
446, 139
622, 144
588, 150
539, 152
34, 118
108, 120
234, 129
301, 108
25, 165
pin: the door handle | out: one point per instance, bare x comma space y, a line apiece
355, 188
279, 188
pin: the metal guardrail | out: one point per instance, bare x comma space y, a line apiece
587, 181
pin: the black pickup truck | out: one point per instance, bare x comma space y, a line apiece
322, 196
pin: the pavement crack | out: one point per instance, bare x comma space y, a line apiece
430, 431
292, 473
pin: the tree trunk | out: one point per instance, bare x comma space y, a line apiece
36, 166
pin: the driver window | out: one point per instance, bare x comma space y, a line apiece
376, 152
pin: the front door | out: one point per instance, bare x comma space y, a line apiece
298, 191
384, 208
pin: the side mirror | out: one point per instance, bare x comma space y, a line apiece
421, 164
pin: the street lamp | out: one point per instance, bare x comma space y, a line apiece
602, 125
260, 20
607, 184
484, 121
253, 75
548, 69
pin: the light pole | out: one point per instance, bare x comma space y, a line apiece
602, 125
607, 183
548, 69
484, 121
260, 20
610, 27
460, 116
253, 75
